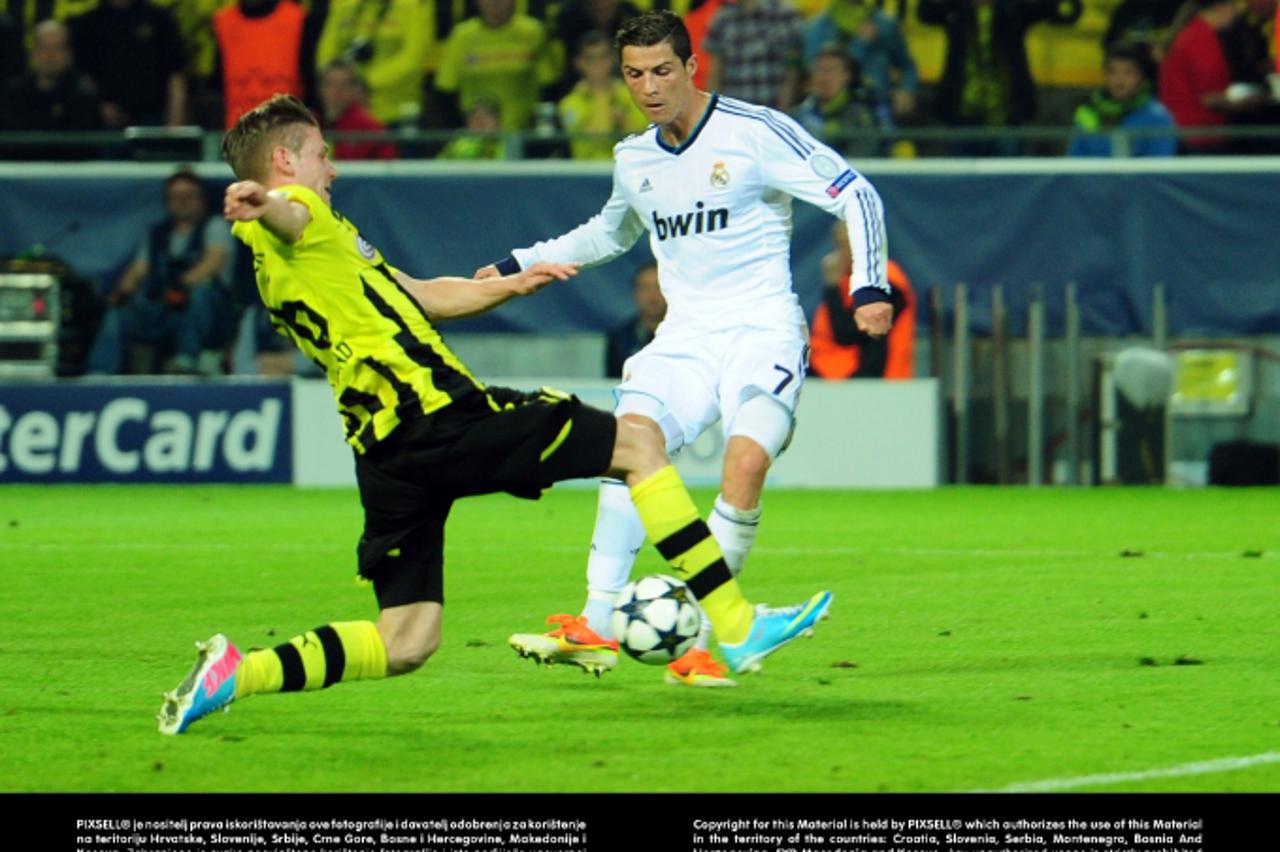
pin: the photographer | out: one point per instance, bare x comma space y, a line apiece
173, 295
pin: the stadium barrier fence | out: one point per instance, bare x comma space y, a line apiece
1195, 231
255, 431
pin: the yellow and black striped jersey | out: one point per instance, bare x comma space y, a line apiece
336, 297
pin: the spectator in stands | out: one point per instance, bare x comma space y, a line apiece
480, 139
636, 333
262, 51
133, 53
875, 42
839, 109
757, 51
1195, 79
387, 43
1247, 44
599, 111
1144, 22
500, 55
174, 294
13, 57
342, 94
837, 349
1125, 102
194, 19
52, 95
986, 79
698, 20
579, 17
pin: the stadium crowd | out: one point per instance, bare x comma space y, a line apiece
459, 78
495, 79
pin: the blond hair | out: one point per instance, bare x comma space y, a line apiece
279, 120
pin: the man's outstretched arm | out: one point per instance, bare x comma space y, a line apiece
610, 233
454, 298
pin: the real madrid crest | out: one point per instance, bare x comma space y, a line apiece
719, 176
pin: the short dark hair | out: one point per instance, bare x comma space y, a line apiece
651, 28
1135, 52
279, 120
836, 50
349, 68
590, 39
184, 173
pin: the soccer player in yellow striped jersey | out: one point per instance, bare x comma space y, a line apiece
352, 314
425, 432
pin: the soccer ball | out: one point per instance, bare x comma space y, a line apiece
656, 619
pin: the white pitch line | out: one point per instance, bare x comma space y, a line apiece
1003, 551
173, 545
1204, 767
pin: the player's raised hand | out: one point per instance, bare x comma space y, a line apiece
874, 319
245, 201
489, 271
540, 275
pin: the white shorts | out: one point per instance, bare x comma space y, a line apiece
686, 382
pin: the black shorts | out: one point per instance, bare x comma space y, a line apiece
408, 483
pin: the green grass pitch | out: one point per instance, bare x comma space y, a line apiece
981, 639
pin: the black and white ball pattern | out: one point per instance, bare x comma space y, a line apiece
656, 619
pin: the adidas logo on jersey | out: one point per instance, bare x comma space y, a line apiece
700, 221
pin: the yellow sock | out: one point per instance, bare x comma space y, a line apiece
682, 537
347, 650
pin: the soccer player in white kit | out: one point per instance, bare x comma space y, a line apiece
711, 180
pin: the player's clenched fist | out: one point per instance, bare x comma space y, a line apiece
874, 319
245, 201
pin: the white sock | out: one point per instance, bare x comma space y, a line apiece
617, 539
704, 635
599, 612
735, 532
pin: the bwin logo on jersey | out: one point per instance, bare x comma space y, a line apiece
700, 221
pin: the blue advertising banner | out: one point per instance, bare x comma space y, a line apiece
138, 432
1202, 227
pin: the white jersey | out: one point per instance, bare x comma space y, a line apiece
718, 212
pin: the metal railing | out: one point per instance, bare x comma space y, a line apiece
1030, 409
194, 144
1036, 382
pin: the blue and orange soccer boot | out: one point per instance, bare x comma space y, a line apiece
698, 668
572, 643
773, 628
209, 686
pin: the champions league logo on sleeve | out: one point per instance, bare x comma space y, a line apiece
838, 185
366, 249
